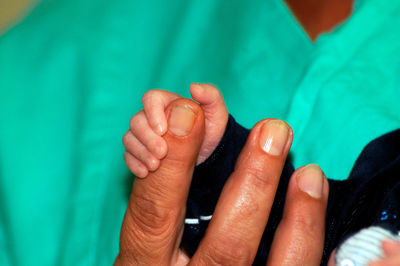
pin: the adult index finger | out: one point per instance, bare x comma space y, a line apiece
241, 215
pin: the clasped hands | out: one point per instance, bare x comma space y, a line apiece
154, 220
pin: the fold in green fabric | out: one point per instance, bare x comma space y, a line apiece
72, 73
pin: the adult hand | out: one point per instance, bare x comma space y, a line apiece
154, 220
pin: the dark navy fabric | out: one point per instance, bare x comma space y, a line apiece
370, 196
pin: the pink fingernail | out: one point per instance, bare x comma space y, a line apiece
274, 136
311, 180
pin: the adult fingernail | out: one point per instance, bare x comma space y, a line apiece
181, 120
311, 180
274, 136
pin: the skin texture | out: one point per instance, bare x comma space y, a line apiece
152, 122
154, 219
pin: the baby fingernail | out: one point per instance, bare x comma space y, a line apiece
274, 136
161, 148
160, 129
181, 120
153, 164
311, 180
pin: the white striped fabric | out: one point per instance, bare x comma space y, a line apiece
363, 247
197, 220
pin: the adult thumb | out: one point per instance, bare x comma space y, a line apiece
153, 222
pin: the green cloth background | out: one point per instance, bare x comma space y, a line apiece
72, 73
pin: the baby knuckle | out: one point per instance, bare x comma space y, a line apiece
150, 95
136, 120
126, 139
147, 95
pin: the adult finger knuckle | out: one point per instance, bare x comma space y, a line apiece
257, 177
227, 252
150, 216
248, 206
302, 222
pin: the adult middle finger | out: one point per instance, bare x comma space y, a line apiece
299, 238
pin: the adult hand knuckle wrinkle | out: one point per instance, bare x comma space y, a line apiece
152, 218
258, 177
227, 253
304, 223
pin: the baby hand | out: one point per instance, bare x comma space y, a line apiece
144, 144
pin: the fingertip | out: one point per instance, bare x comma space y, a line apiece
153, 164
205, 93
275, 137
153, 106
157, 121
182, 116
160, 129
159, 124
141, 173
135, 166
185, 125
326, 186
196, 89
310, 179
161, 148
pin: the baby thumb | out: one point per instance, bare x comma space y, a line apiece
215, 113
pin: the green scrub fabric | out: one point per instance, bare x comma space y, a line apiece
72, 73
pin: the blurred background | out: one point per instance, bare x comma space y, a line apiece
72, 74
10, 10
